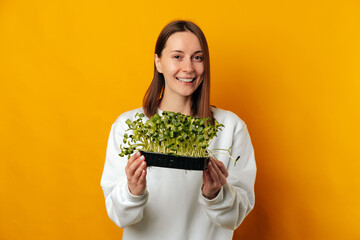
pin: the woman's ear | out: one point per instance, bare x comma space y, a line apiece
157, 63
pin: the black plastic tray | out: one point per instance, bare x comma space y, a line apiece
172, 161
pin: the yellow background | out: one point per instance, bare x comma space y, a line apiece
290, 69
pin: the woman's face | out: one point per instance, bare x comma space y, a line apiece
181, 63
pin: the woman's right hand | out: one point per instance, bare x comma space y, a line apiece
136, 174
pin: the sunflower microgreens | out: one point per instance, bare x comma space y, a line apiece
170, 133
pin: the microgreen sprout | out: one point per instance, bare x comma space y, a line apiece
213, 153
170, 133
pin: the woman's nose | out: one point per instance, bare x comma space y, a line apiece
187, 65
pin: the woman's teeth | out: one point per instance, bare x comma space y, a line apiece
186, 79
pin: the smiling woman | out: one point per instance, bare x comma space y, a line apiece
206, 204
182, 52
182, 66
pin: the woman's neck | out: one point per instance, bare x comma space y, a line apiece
173, 104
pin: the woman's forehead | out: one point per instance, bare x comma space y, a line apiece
183, 42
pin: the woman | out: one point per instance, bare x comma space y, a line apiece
163, 203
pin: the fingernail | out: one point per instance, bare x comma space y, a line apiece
143, 163
138, 153
142, 157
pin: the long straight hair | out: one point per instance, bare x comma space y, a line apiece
201, 97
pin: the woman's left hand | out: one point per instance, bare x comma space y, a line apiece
214, 178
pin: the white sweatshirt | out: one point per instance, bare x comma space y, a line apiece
173, 207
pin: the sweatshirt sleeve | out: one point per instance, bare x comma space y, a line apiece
236, 198
122, 207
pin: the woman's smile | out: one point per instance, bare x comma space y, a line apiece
186, 80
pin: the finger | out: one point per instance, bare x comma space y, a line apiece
215, 166
134, 157
135, 165
220, 175
142, 178
138, 172
222, 168
212, 172
131, 160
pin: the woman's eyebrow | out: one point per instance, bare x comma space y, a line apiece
199, 51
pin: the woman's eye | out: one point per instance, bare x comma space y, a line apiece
177, 57
198, 58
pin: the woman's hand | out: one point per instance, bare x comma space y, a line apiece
136, 174
214, 178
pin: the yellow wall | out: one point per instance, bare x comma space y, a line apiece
290, 69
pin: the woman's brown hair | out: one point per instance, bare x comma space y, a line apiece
201, 97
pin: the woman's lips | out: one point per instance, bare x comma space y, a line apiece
187, 80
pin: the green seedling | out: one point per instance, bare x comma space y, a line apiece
171, 133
